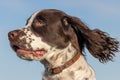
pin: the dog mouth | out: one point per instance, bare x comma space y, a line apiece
29, 54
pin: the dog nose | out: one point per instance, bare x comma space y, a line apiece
13, 34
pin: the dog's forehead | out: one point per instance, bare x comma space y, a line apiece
47, 12
31, 19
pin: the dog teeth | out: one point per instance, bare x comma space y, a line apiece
39, 53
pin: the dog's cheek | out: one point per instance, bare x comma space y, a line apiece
63, 42
58, 42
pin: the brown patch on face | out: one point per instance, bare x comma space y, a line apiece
49, 26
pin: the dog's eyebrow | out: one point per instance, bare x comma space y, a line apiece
41, 18
31, 18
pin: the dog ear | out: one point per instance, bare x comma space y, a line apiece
98, 43
69, 33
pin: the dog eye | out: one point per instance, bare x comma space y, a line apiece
41, 19
39, 22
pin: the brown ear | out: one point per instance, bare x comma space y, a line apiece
102, 46
99, 44
70, 33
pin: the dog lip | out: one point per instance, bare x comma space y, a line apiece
15, 47
36, 53
39, 52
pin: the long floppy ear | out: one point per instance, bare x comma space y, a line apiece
98, 43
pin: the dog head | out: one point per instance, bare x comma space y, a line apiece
49, 30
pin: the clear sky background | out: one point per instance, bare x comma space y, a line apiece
102, 14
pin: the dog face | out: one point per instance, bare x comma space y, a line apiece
43, 34
50, 30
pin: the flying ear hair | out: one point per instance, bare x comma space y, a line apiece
98, 43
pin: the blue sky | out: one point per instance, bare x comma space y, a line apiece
102, 14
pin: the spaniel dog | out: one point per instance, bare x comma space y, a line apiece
57, 40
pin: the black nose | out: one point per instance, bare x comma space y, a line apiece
13, 34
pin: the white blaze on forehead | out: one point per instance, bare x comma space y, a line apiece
30, 21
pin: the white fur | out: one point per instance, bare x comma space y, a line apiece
80, 70
30, 21
37, 43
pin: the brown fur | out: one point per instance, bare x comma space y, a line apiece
99, 43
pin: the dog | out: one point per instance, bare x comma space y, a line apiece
57, 40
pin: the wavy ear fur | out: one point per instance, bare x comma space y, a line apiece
98, 43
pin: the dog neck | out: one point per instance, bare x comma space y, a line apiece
60, 57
